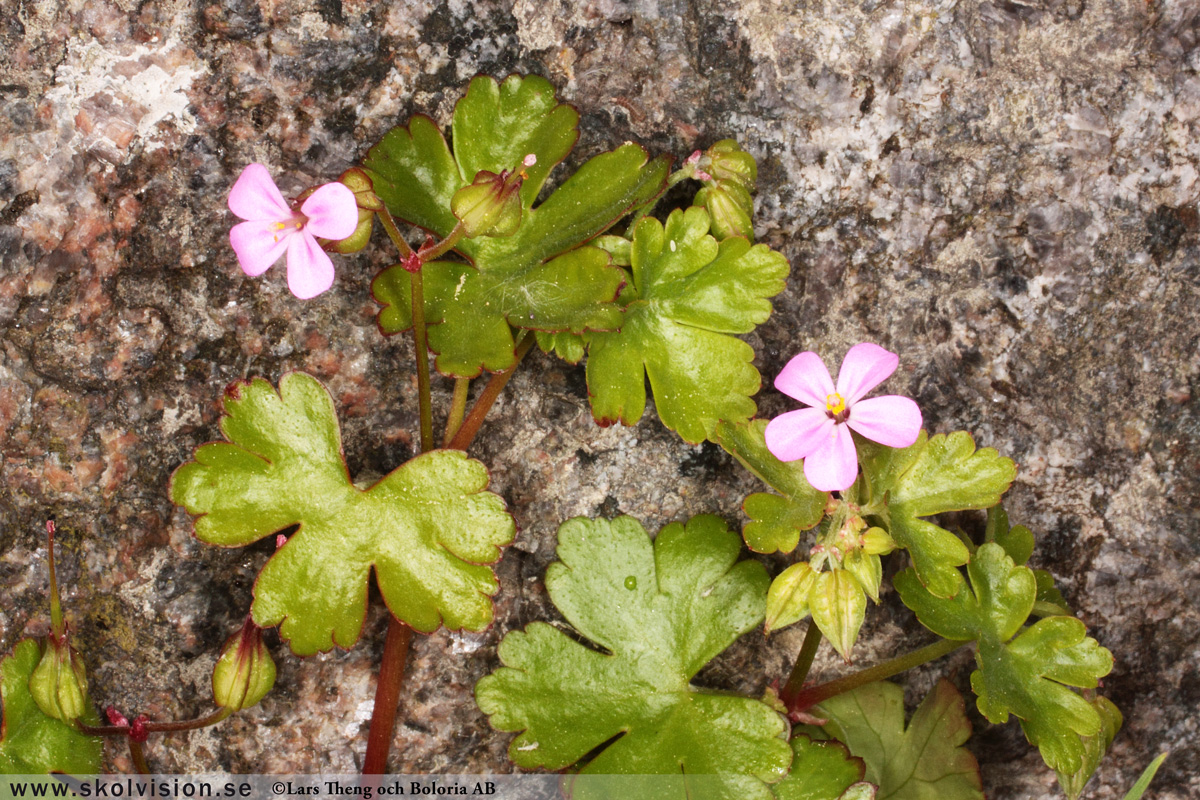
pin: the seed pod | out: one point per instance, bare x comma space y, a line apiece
245, 672
59, 682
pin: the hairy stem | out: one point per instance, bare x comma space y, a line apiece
807, 698
387, 697
441, 248
458, 407
808, 651
422, 347
470, 427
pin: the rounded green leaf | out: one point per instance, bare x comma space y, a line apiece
428, 529
692, 293
820, 771
776, 522
923, 760
660, 610
936, 474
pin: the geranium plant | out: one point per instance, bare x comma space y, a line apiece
489, 262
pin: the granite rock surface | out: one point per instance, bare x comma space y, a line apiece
1001, 191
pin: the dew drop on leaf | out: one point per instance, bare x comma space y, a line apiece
631, 583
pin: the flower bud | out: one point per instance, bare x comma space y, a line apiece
59, 683
491, 206
727, 163
368, 202
877, 542
245, 672
730, 208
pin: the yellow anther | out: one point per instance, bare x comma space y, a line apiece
835, 403
280, 226
299, 225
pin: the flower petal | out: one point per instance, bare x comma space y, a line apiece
256, 197
258, 245
834, 465
806, 379
794, 435
332, 212
310, 271
865, 366
892, 420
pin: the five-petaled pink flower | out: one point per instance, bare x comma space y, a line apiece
272, 227
821, 434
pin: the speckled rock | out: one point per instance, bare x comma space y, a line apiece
1002, 191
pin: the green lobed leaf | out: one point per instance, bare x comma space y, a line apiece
934, 475
1094, 748
775, 522
1030, 675
541, 278
689, 294
660, 611
428, 529
821, 770
923, 761
32, 743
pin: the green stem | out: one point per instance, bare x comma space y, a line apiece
808, 651
389, 225
470, 427
807, 698
422, 347
443, 247
639, 213
458, 407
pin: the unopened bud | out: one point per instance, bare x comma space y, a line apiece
490, 206
368, 202
59, 682
730, 208
245, 672
727, 163
877, 542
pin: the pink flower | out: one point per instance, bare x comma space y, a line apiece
272, 227
821, 434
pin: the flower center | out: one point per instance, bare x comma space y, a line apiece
835, 404
287, 227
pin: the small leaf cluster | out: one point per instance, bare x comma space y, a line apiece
665, 301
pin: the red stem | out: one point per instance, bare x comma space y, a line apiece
387, 696
466, 434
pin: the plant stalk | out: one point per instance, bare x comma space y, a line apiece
807, 698
421, 344
137, 754
495, 385
56, 616
387, 696
808, 651
458, 407
156, 727
393, 232
429, 253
